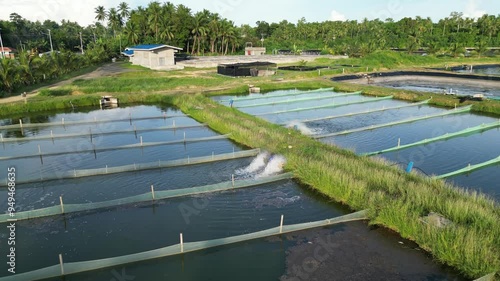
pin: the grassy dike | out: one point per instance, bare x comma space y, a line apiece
395, 199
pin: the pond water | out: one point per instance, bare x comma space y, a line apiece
140, 227
441, 87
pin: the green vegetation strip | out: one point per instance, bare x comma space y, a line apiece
91, 134
78, 267
130, 146
326, 106
395, 199
139, 167
296, 93
409, 120
365, 112
470, 168
301, 99
146, 197
95, 121
480, 128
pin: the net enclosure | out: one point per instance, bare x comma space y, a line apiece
258, 68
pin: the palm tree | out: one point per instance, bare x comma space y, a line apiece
132, 32
213, 31
199, 30
123, 11
101, 14
9, 74
155, 12
114, 19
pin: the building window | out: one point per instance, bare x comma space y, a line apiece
161, 61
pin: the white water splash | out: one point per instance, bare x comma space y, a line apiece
302, 128
275, 166
258, 163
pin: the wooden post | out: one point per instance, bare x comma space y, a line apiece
21, 123
62, 121
51, 135
106, 169
232, 179
213, 155
469, 166
173, 125
39, 150
184, 137
130, 118
399, 142
188, 160
90, 132
1, 137
281, 224
182, 243
153, 192
61, 263
164, 115
343, 70
141, 140
62, 204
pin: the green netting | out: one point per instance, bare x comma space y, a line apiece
277, 96
409, 120
70, 123
327, 106
489, 277
146, 197
130, 146
473, 130
301, 99
92, 134
137, 167
364, 112
470, 168
78, 267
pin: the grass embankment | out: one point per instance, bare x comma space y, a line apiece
395, 199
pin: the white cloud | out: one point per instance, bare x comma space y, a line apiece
336, 16
472, 11
56, 10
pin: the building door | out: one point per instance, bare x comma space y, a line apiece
161, 62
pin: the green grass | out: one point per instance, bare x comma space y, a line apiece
395, 199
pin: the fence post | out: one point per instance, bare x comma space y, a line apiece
399, 142
90, 132
62, 204
173, 125
74, 172
21, 123
51, 135
141, 140
281, 224
106, 169
61, 264
182, 243
184, 137
62, 121
153, 192
232, 179
188, 160
1, 137
39, 150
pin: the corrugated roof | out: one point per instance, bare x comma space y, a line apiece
152, 47
128, 52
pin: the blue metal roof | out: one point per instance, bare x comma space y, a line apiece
146, 47
128, 52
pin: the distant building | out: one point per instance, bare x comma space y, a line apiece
254, 51
7, 52
157, 56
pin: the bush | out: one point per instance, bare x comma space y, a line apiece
55, 93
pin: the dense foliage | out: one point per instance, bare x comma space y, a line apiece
205, 32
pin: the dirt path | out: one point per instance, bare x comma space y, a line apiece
105, 70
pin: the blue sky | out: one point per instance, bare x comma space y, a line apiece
250, 11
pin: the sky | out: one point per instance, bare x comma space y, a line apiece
250, 11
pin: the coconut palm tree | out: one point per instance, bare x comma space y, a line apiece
155, 13
124, 11
101, 13
199, 30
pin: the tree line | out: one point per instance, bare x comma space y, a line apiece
205, 32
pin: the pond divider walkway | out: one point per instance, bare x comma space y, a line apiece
363, 112
63, 269
94, 150
297, 93
137, 167
91, 134
409, 120
473, 130
300, 99
331, 105
63, 209
470, 168
95, 121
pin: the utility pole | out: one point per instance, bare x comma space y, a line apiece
1, 44
50, 39
81, 43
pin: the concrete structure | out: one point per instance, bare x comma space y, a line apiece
7, 52
255, 51
157, 57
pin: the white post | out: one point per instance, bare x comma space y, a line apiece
343, 70
188, 159
233, 152
1, 137
74, 172
106, 169
61, 263
399, 142
469, 166
62, 121
213, 155
39, 150
184, 136
141, 140
173, 124
62, 204
51, 135
21, 123
281, 224
153, 191
182, 243
232, 179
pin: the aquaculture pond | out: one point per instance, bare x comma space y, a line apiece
436, 141
55, 145
490, 70
443, 87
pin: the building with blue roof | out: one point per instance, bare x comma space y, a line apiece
153, 56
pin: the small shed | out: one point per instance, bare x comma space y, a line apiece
155, 56
7, 52
258, 68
